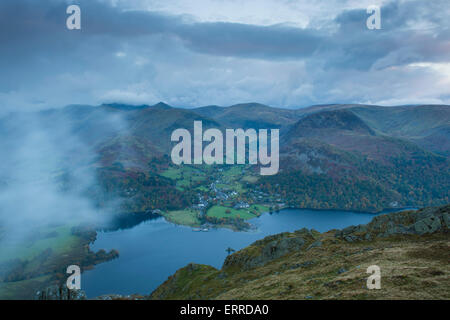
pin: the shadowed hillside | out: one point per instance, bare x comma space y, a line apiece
355, 157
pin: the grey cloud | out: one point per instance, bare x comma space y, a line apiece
187, 63
400, 41
352, 38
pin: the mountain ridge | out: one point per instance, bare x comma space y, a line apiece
351, 157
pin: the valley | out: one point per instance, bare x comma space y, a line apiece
336, 157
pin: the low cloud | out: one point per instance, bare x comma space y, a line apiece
135, 55
47, 177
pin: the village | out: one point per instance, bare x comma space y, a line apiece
219, 196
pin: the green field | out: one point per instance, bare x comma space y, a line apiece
233, 171
231, 178
250, 179
185, 175
172, 173
49, 249
221, 212
227, 179
202, 189
22, 289
186, 217
59, 239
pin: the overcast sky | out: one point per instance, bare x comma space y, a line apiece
284, 53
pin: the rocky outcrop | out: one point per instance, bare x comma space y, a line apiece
187, 278
412, 247
420, 222
60, 292
268, 249
121, 297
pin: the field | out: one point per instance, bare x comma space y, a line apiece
186, 217
21, 289
58, 239
31, 263
185, 176
248, 213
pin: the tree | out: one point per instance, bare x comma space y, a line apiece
230, 250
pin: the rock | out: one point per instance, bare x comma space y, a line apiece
351, 238
265, 251
420, 227
60, 292
446, 218
304, 232
378, 222
342, 270
276, 249
423, 221
396, 229
120, 297
192, 267
428, 225
301, 265
348, 230
315, 244
361, 228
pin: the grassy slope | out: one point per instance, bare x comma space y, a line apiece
22, 289
59, 240
411, 269
42, 256
43, 260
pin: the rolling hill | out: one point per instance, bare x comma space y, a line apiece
357, 157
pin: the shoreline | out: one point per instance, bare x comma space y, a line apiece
385, 210
124, 221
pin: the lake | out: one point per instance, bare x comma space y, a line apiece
155, 249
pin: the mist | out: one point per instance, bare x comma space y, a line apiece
47, 174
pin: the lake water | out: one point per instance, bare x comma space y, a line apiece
155, 249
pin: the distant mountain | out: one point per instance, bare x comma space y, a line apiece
347, 156
358, 157
127, 107
328, 122
344, 129
426, 125
250, 115
134, 134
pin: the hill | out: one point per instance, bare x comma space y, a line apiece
333, 156
250, 115
357, 157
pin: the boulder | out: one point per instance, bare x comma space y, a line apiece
446, 219
60, 292
315, 244
428, 225
264, 251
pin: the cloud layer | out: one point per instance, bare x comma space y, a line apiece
221, 52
